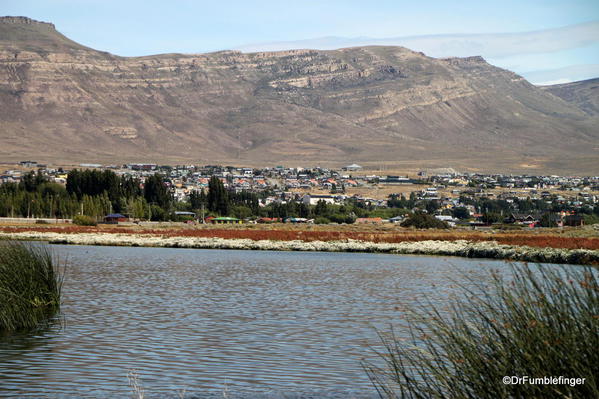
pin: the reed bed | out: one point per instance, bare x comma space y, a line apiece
30, 286
538, 322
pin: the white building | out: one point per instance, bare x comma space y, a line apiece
313, 199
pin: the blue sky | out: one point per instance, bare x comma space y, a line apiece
137, 27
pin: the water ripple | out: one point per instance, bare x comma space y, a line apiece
248, 324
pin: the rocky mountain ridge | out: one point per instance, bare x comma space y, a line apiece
374, 105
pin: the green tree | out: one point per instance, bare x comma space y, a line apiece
424, 221
547, 220
491, 217
321, 208
156, 192
218, 198
461, 213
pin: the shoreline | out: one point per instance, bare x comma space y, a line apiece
461, 248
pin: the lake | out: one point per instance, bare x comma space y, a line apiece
222, 323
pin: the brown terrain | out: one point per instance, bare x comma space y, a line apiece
585, 94
570, 238
63, 102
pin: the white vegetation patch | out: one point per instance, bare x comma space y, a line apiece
484, 249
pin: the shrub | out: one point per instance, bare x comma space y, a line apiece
321, 220
30, 285
41, 221
547, 221
541, 323
591, 219
461, 213
424, 221
83, 220
491, 217
158, 214
341, 218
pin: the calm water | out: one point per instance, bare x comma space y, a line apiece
221, 323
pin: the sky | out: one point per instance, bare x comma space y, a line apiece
144, 27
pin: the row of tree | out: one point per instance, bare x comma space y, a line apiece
96, 193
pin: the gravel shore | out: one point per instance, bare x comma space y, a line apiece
487, 249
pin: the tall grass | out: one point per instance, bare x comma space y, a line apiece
30, 285
537, 322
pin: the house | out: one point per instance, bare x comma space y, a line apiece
352, 167
28, 164
396, 180
182, 215
447, 219
298, 220
522, 218
115, 218
309, 199
396, 219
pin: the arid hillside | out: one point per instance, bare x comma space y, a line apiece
60, 101
583, 94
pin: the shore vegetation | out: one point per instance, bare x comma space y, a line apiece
30, 285
539, 321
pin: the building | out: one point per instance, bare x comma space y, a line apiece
309, 199
352, 168
526, 219
115, 218
225, 220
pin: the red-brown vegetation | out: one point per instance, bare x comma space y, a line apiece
533, 239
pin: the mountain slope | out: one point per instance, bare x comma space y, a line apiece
63, 101
583, 94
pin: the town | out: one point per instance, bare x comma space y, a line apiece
351, 194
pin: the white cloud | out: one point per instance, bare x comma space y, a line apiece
487, 45
554, 82
526, 53
563, 75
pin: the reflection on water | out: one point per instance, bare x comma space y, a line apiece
248, 324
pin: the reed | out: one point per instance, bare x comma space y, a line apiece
30, 285
538, 322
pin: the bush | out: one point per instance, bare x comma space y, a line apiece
424, 221
41, 221
83, 220
461, 213
158, 214
547, 221
30, 286
543, 322
491, 217
321, 220
591, 219
341, 218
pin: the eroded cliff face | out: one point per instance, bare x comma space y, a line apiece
60, 100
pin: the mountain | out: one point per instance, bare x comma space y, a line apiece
583, 94
376, 105
522, 52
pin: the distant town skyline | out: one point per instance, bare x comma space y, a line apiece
497, 31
